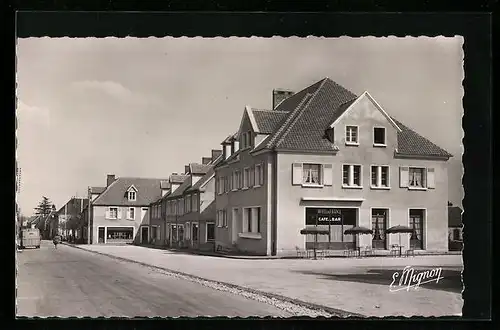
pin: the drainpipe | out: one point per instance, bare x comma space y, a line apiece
88, 218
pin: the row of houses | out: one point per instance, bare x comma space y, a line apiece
321, 157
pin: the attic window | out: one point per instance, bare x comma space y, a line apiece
132, 196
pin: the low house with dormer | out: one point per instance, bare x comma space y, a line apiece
326, 157
120, 213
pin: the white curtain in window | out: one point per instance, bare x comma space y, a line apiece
315, 174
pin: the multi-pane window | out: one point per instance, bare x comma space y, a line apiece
311, 174
220, 185
210, 231
380, 176
251, 220
351, 134
351, 175
221, 218
131, 213
259, 175
132, 196
246, 174
188, 203
113, 213
246, 140
416, 177
379, 136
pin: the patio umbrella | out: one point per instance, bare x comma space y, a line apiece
399, 229
314, 231
358, 230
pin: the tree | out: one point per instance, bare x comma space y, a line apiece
44, 207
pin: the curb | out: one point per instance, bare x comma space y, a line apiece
334, 312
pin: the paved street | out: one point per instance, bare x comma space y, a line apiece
71, 282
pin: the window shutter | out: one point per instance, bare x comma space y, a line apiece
431, 178
107, 214
403, 177
119, 213
296, 173
327, 174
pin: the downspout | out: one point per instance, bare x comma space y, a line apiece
274, 223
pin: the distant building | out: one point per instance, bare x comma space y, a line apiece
120, 213
70, 222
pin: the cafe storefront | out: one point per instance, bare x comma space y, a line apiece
336, 221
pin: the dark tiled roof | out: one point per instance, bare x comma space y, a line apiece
206, 177
177, 178
180, 190
198, 169
307, 130
268, 121
148, 190
454, 216
413, 144
97, 190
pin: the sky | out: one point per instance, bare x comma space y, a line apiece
145, 107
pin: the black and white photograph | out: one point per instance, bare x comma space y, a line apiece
239, 177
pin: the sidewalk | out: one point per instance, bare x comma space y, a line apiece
313, 281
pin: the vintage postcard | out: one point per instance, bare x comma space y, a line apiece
239, 177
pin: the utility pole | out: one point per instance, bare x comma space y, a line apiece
88, 216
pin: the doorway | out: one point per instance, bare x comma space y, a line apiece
101, 235
379, 226
417, 223
144, 234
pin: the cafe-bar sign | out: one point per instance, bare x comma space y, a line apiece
329, 215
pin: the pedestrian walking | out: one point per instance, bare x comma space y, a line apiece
56, 240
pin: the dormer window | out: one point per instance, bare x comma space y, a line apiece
132, 194
246, 140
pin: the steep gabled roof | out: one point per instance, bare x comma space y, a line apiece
201, 182
268, 121
310, 112
97, 190
180, 190
164, 184
198, 169
148, 190
413, 144
306, 131
177, 178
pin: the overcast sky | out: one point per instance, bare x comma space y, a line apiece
145, 107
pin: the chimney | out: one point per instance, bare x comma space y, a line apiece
279, 95
215, 154
175, 173
206, 160
110, 179
186, 169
